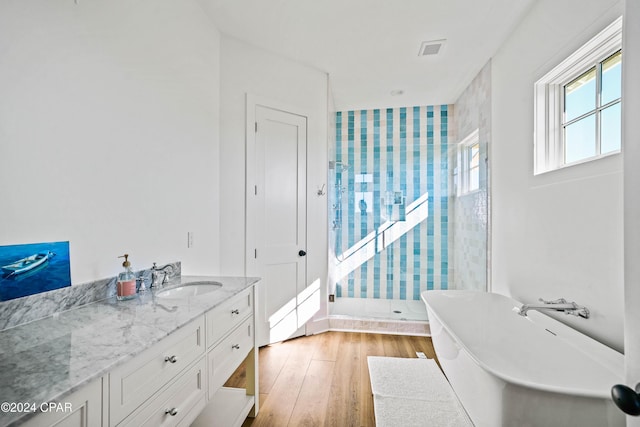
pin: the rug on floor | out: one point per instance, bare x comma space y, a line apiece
413, 392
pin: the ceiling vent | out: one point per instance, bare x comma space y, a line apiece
432, 47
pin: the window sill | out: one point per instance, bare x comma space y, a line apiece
579, 163
609, 164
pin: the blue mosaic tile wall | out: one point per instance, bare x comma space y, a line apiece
396, 154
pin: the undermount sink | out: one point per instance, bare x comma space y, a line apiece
189, 290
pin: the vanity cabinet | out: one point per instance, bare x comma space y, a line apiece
84, 409
178, 381
230, 337
133, 383
231, 341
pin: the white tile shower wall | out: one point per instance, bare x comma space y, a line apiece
470, 212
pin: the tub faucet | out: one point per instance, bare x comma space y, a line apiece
154, 275
557, 305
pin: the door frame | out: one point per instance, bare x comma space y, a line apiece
252, 266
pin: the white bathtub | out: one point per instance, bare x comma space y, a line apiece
510, 370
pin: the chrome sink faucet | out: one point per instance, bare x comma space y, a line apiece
556, 305
154, 275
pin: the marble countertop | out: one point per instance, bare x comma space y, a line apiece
48, 359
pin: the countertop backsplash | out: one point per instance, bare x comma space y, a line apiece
34, 307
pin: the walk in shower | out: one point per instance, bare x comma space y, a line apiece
407, 208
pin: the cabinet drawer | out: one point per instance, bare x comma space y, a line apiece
136, 381
184, 398
228, 315
225, 357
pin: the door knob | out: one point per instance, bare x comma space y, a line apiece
626, 399
302, 253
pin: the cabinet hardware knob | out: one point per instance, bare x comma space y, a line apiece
236, 311
302, 253
173, 412
236, 346
172, 359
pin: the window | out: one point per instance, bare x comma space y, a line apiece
592, 116
578, 105
473, 166
466, 174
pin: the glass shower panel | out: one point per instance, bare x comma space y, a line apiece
389, 205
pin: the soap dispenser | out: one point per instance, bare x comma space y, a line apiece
126, 284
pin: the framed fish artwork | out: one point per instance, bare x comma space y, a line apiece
29, 269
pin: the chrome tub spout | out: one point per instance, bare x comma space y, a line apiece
561, 305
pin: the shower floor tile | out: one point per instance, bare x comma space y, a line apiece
368, 308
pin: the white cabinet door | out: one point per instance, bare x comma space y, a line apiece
80, 409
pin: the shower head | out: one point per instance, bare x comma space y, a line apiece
338, 165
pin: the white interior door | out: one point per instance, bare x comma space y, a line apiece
278, 212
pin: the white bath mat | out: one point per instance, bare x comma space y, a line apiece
401, 412
413, 392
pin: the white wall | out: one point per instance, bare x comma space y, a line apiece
631, 135
109, 131
248, 69
559, 234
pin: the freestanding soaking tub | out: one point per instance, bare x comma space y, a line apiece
510, 370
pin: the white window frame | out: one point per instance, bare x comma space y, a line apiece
463, 178
549, 102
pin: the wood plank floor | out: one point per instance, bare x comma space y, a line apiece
323, 380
